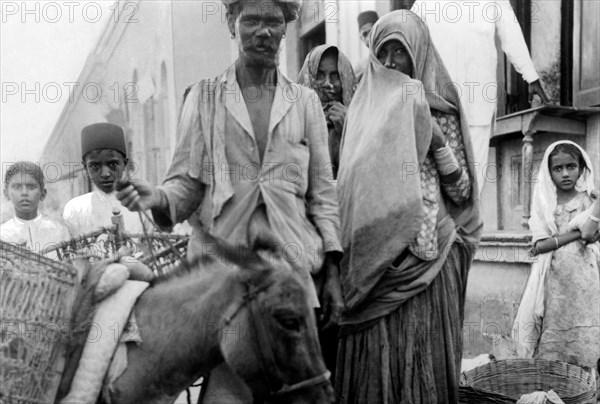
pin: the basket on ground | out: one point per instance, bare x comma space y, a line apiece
504, 381
36, 297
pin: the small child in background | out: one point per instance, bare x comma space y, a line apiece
559, 314
24, 188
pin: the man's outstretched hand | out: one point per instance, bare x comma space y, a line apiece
138, 195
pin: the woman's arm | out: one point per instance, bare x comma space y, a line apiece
554, 243
452, 166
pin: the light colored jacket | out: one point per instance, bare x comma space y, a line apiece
463, 33
217, 178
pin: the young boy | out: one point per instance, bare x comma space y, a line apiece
24, 188
104, 156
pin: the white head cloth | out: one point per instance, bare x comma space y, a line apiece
543, 204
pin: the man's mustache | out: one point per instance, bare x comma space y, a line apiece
269, 46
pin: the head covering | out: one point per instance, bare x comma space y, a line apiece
406, 27
386, 137
308, 73
543, 204
308, 76
440, 93
103, 136
294, 5
366, 17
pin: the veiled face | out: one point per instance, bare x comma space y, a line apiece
259, 28
393, 55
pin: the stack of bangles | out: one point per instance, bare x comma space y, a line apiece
445, 159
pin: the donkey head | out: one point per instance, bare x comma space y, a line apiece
272, 340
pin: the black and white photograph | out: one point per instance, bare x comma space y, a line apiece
300, 202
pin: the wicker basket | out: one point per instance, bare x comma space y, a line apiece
505, 381
87, 243
36, 297
162, 252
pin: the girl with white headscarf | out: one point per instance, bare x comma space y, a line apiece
559, 314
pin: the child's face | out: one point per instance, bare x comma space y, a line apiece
565, 171
105, 167
25, 193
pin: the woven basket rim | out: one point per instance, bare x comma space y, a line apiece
62, 266
493, 369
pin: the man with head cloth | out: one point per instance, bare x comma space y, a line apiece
365, 20
254, 144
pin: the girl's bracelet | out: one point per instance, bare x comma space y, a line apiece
595, 219
556, 241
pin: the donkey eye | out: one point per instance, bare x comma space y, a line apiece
288, 321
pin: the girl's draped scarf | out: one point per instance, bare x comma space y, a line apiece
527, 326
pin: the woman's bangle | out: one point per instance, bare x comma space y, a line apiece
556, 241
446, 160
595, 219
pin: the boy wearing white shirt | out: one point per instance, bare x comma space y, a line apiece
104, 155
24, 188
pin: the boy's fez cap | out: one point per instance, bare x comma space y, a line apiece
103, 136
366, 17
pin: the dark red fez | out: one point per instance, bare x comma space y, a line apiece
102, 136
366, 17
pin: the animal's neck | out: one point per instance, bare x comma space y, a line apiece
181, 325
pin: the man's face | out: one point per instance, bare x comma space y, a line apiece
259, 29
364, 31
105, 167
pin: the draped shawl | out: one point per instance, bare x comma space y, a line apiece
386, 137
308, 73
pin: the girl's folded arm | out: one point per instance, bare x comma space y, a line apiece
553, 243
